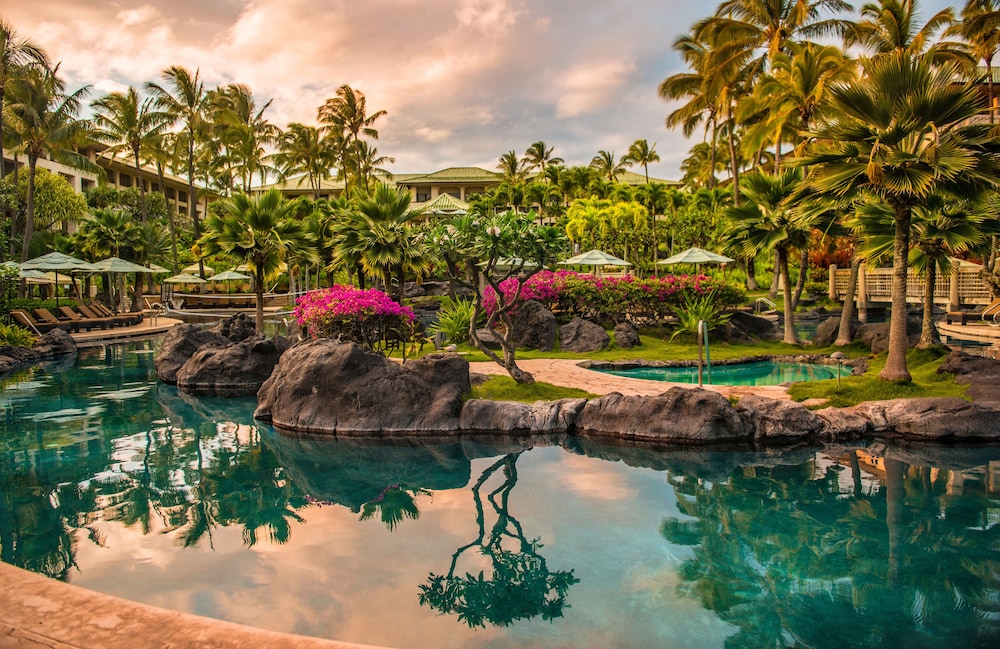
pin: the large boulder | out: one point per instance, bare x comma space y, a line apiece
237, 327
489, 338
982, 375
235, 369
626, 336
179, 345
752, 326
52, 344
826, 332
770, 419
533, 327
325, 386
483, 415
677, 415
937, 418
876, 335
582, 336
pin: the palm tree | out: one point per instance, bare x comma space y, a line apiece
980, 29
893, 26
901, 137
367, 163
768, 220
259, 232
185, 100
44, 117
346, 114
303, 150
161, 151
245, 132
539, 157
641, 153
511, 167
607, 165
128, 124
15, 53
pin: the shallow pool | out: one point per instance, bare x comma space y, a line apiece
757, 373
116, 483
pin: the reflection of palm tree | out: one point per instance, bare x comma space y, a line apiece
521, 586
395, 503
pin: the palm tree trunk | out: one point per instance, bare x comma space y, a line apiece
192, 201
847, 313
258, 289
895, 364
29, 211
927, 321
772, 291
142, 186
803, 272
894, 492
789, 336
711, 168
170, 216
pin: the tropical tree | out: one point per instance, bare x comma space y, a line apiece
511, 167
642, 154
44, 116
608, 166
244, 131
161, 151
980, 29
127, 123
368, 162
539, 157
901, 136
345, 117
184, 98
303, 150
259, 232
16, 53
894, 26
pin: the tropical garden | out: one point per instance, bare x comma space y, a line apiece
822, 136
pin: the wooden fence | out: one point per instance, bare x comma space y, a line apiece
962, 287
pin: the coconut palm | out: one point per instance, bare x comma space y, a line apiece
303, 150
980, 29
368, 162
902, 136
161, 151
540, 157
511, 167
44, 116
894, 26
185, 99
607, 165
16, 53
346, 115
642, 154
259, 232
241, 126
127, 123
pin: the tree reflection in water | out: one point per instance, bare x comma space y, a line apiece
521, 586
395, 503
795, 559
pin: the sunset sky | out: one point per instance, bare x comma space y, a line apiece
463, 80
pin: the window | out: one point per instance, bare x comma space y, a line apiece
182, 197
124, 180
423, 197
169, 193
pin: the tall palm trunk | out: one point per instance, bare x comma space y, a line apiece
803, 273
894, 492
895, 364
142, 185
927, 321
258, 289
170, 216
789, 336
29, 210
847, 313
192, 200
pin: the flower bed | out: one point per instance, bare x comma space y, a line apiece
616, 299
366, 317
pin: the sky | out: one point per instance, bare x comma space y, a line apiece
463, 81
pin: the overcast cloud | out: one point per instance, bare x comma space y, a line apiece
463, 80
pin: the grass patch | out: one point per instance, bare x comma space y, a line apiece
504, 388
926, 382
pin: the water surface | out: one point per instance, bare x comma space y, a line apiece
113, 482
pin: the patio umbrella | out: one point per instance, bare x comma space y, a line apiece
56, 261
597, 258
695, 256
184, 278
158, 269
193, 268
30, 276
119, 266
228, 276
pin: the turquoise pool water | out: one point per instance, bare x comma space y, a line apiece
113, 482
758, 373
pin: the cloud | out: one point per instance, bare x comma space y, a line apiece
589, 87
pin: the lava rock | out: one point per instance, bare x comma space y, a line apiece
938, 418
579, 335
777, 418
876, 335
52, 344
826, 332
237, 327
179, 345
325, 386
626, 336
489, 338
236, 369
534, 327
755, 327
483, 415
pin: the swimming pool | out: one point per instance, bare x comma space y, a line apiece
120, 484
756, 373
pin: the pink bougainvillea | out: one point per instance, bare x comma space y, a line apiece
349, 313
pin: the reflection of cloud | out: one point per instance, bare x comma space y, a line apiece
464, 80
595, 480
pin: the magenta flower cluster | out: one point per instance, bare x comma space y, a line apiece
613, 299
332, 312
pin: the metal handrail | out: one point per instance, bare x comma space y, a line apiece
768, 303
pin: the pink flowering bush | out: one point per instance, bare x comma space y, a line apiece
616, 299
347, 313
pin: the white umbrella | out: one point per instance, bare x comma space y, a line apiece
596, 258
193, 268
119, 266
56, 261
695, 256
228, 276
184, 278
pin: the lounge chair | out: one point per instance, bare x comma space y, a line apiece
24, 319
989, 314
86, 323
91, 314
126, 318
47, 317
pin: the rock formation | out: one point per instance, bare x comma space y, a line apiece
235, 369
626, 336
52, 344
534, 327
582, 336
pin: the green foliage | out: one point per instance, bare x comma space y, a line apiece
128, 200
35, 303
9, 279
925, 382
56, 201
698, 308
16, 336
454, 319
503, 388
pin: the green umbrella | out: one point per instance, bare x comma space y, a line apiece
228, 276
56, 261
597, 258
695, 256
184, 278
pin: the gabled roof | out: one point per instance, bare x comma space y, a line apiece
451, 175
444, 204
632, 178
301, 183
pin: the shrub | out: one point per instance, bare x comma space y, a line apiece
16, 336
365, 317
454, 319
698, 308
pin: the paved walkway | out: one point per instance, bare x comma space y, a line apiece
568, 373
148, 327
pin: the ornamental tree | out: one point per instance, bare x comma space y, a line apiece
512, 247
351, 314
